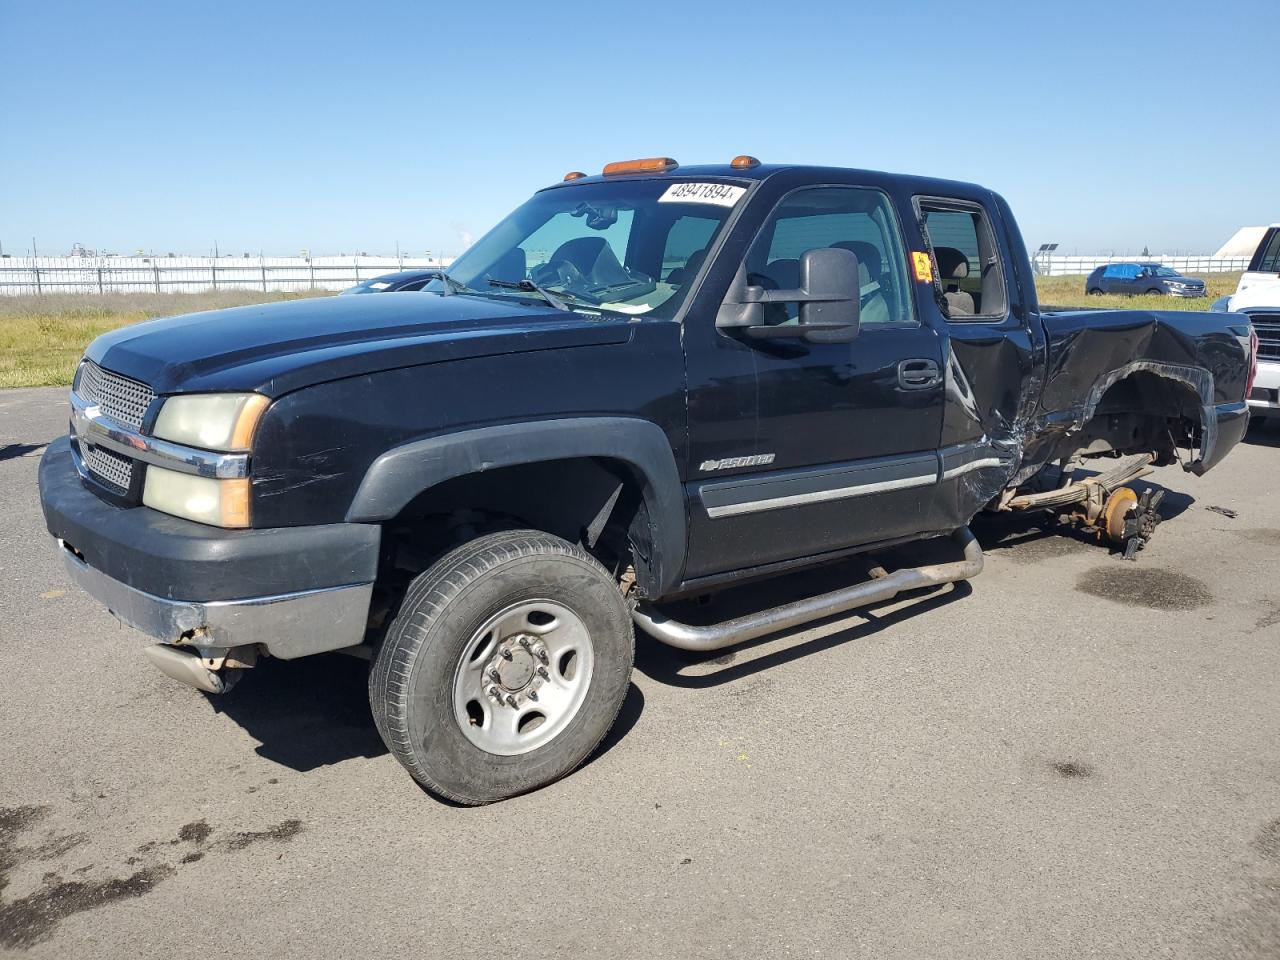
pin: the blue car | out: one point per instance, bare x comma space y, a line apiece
391, 282
1138, 278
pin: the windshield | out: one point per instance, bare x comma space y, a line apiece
1163, 272
629, 247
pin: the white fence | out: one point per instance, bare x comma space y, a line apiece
41, 275
1053, 265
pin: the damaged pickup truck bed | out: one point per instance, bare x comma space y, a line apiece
641, 385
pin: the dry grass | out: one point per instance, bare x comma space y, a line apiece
1069, 292
42, 338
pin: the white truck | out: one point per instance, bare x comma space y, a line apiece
1258, 296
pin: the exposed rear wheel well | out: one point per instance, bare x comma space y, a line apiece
1142, 412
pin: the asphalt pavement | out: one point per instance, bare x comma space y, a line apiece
1072, 756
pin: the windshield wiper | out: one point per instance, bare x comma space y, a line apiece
452, 286
530, 287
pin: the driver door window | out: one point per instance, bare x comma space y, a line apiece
853, 218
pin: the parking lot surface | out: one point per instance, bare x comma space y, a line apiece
1072, 756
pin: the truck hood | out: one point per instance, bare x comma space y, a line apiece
279, 347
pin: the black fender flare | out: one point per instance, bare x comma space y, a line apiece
404, 472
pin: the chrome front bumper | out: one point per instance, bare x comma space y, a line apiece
289, 625
1268, 385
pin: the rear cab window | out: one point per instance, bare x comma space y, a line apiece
967, 268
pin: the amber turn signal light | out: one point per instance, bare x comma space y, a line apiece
650, 165
574, 175
744, 162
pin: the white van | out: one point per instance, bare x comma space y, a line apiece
1258, 296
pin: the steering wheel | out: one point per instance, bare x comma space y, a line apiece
559, 273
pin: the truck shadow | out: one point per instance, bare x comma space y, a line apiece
1263, 433
11, 451
314, 712
306, 713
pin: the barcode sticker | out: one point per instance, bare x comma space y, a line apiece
719, 194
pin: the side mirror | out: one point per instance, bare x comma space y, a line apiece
829, 296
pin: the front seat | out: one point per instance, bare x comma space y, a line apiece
780, 274
690, 269
510, 267
594, 259
877, 307
954, 265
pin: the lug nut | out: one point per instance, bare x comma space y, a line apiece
542, 672
495, 676
506, 654
512, 701
532, 695
526, 643
542, 655
495, 693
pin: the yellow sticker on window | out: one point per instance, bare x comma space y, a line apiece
923, 265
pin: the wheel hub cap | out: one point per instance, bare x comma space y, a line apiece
513, 672
522, 677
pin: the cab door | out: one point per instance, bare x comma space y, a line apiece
995, 348
799, 449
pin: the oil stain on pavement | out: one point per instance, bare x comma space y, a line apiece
1071, 770
32, 918
1268, 841
1145, 587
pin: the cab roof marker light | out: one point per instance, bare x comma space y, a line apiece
573, 175
744, 161
648, 165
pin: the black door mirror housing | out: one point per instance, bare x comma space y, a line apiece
829, 296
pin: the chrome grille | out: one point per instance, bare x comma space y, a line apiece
123, 400
109, 469
1268, 327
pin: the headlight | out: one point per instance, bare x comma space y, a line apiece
214, 421
222, 503
223, 422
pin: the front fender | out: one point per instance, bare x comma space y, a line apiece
402, 473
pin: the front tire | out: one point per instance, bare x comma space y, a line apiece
505, 667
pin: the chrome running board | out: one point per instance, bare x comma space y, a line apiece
741, 629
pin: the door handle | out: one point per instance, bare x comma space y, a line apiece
918, 374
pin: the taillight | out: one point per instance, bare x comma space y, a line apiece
1253, 362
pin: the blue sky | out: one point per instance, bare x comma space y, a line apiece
346, 127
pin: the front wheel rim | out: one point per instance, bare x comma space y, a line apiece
522, 677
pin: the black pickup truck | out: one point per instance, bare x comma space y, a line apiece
640, 386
